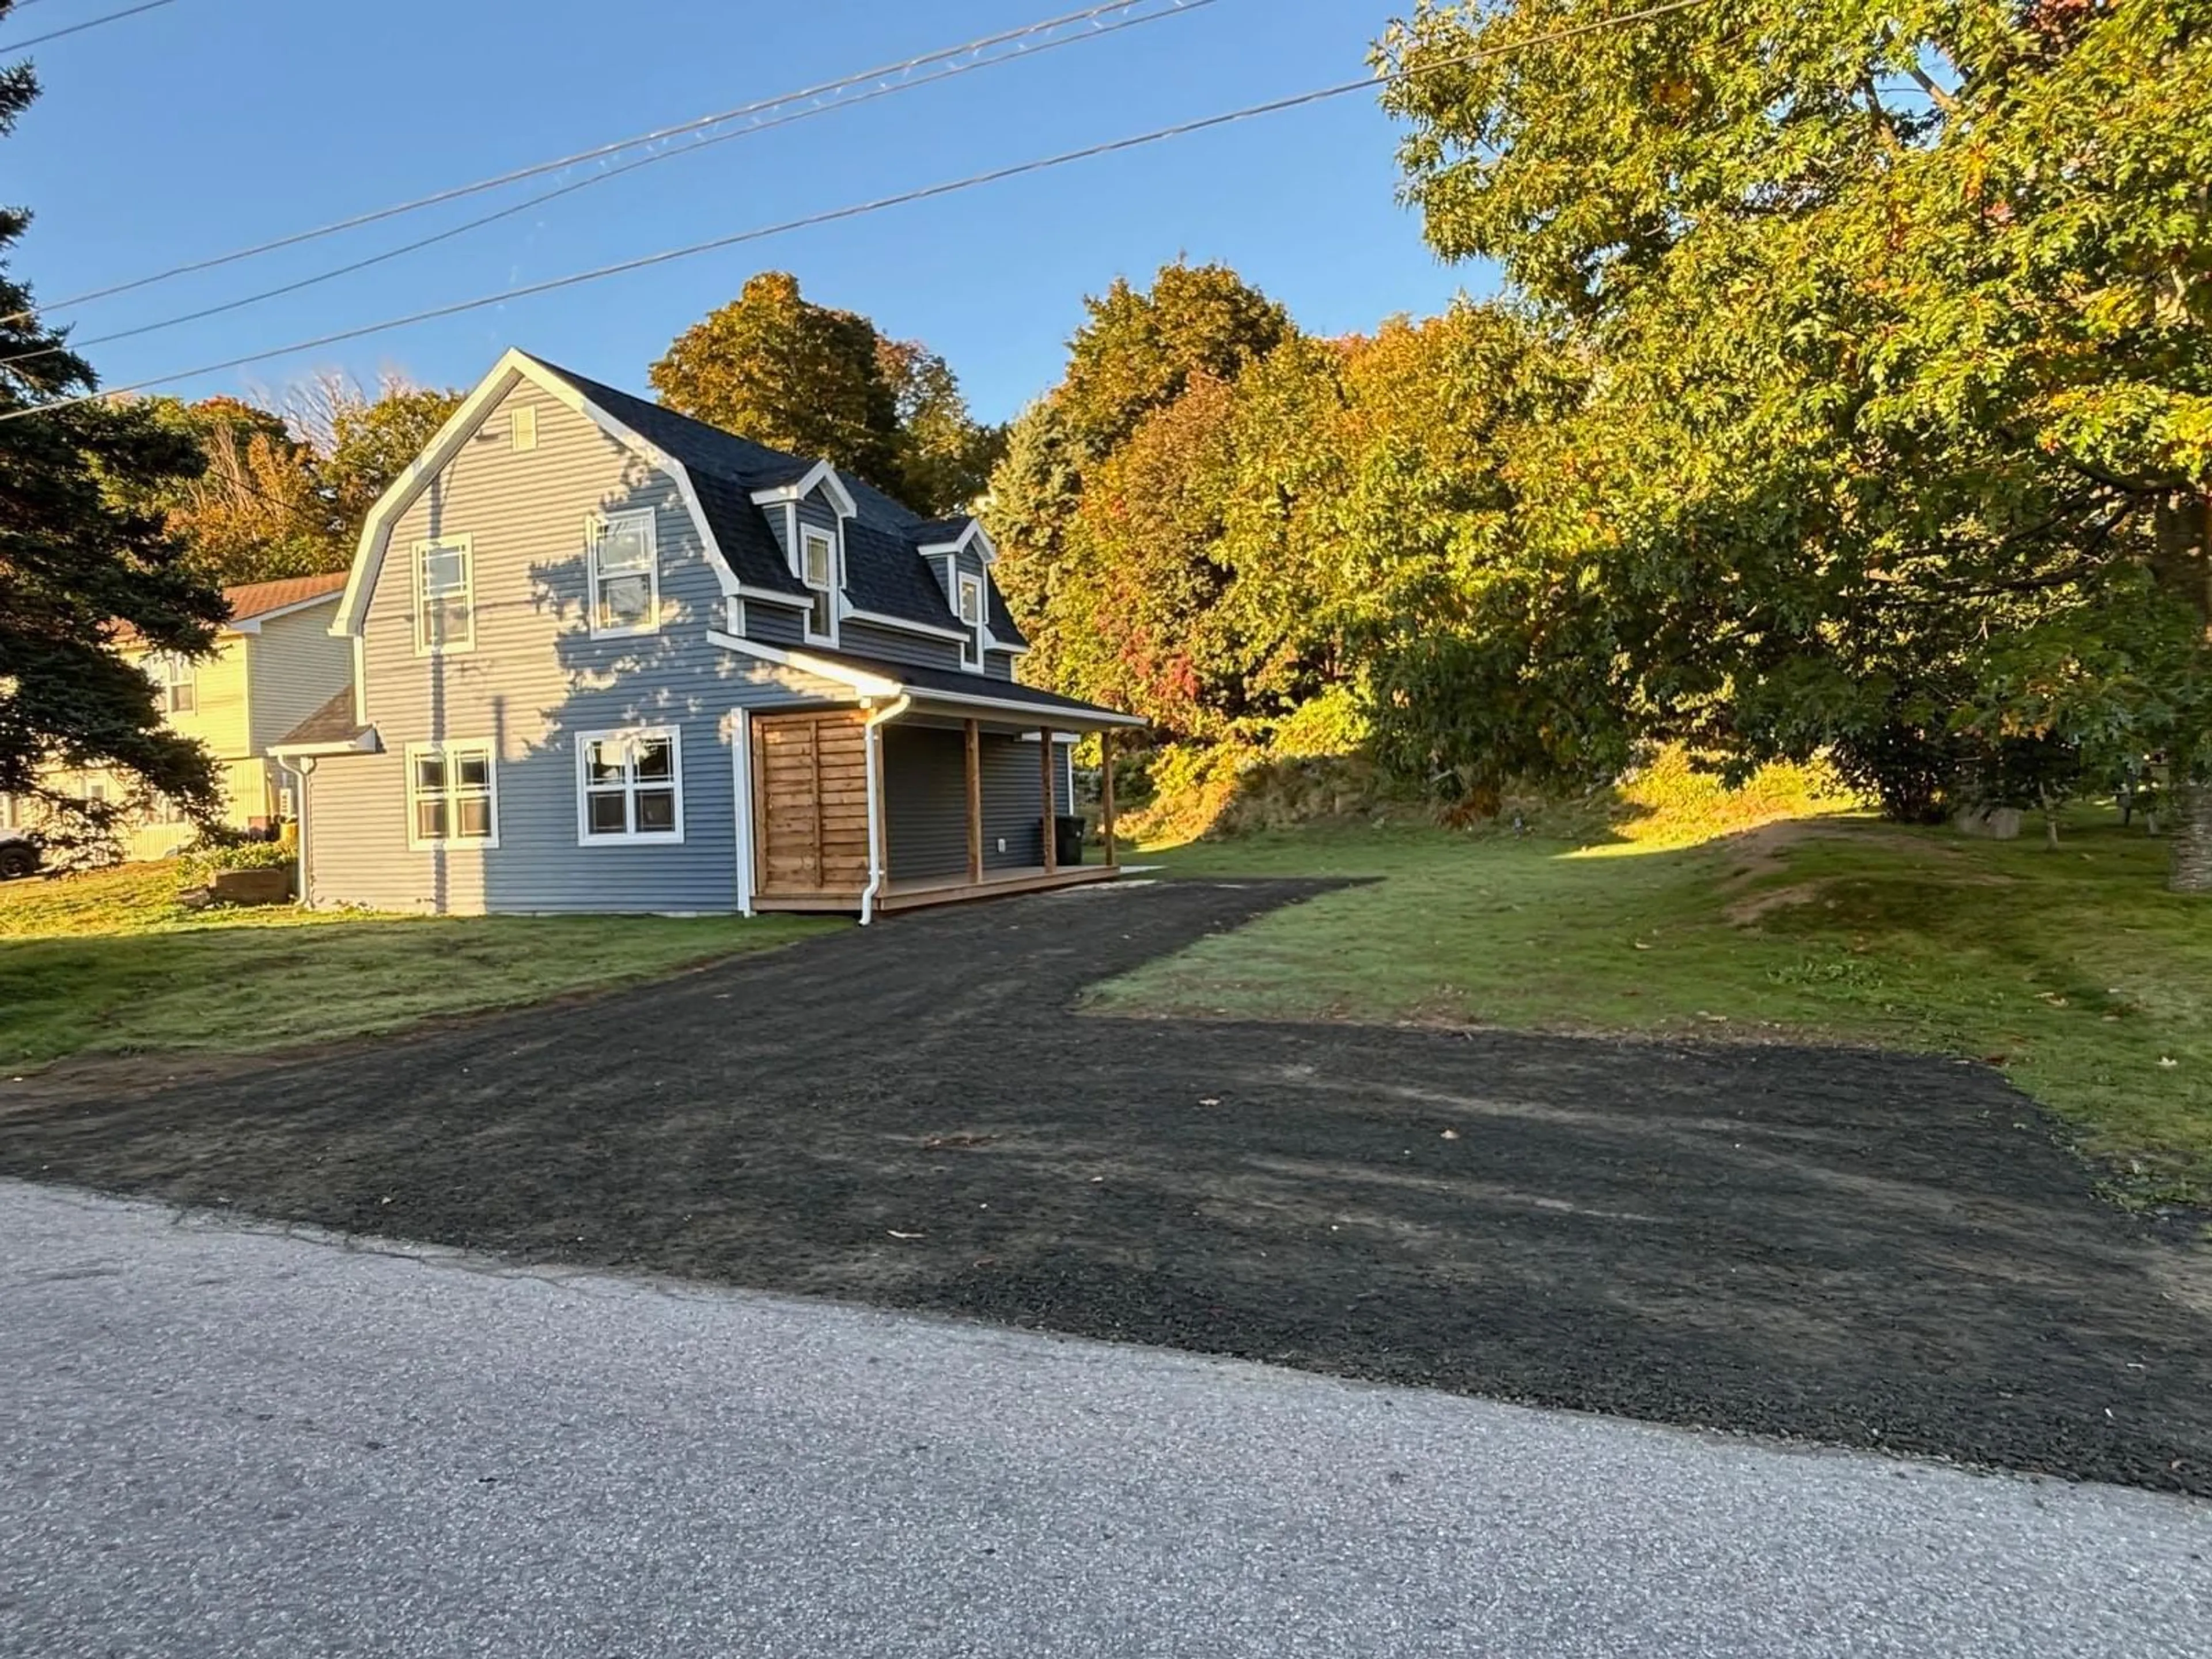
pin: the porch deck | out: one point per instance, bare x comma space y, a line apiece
944, 890
1030, 878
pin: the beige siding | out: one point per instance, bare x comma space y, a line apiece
294, 667
244, 786
220, 718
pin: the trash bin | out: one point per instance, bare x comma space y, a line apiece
1067, 841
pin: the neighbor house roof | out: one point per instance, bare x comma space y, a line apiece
255, 602
257, 599
884, 571
330, 729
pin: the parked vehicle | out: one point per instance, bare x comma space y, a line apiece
19, 855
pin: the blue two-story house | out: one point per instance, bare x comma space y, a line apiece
607, 657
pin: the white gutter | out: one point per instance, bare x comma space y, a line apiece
872, 751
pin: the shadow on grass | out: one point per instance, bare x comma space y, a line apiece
247, 989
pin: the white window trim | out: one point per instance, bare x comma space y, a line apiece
417, 842
595, 531
176, 670
809, 533
467, 546
981, 631
632, 838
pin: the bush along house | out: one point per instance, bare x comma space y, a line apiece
607, 658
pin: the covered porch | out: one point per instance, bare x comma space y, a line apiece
931, 788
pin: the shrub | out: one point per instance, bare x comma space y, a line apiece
205, 857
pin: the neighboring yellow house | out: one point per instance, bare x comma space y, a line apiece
274, 663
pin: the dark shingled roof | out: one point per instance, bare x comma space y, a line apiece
743, 533
692, 443
936, 533
1002, 620
884, 572
332, 723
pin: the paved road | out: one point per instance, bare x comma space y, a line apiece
221, 1441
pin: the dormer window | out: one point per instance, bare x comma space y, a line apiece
972, 612
818, 568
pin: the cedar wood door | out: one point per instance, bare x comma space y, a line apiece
810, 803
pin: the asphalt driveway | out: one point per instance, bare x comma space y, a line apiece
1869, 1249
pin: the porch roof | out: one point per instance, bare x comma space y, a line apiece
948, 690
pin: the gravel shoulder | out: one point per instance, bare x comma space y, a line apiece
1836, 1245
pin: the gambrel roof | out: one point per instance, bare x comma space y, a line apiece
723, 478
884, 571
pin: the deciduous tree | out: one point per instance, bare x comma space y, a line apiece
1900, 440
775, 368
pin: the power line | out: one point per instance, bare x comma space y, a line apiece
947, 71
598, 152
79, 28
928, 192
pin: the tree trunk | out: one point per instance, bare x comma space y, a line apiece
2192, 839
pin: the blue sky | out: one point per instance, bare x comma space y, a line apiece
209, 124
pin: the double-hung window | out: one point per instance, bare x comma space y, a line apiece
818, 568
625, 566
630, 786
971, 621
445, 595
176, 683
453, 794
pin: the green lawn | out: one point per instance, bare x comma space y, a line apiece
109, 964
2072, 969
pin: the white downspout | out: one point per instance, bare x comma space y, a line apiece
873, 753
307, 899
741, 789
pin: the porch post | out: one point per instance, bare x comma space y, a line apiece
1106, 793
975, 747
1044, 773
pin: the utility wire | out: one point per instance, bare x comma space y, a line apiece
928, 192
597, 153
78, 28
948, 71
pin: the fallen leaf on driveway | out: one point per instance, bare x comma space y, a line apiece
1209, 1101
895, 1234
939, 1143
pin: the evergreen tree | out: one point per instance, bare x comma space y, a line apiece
77, 565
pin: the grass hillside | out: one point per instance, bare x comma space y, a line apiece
1761, 915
